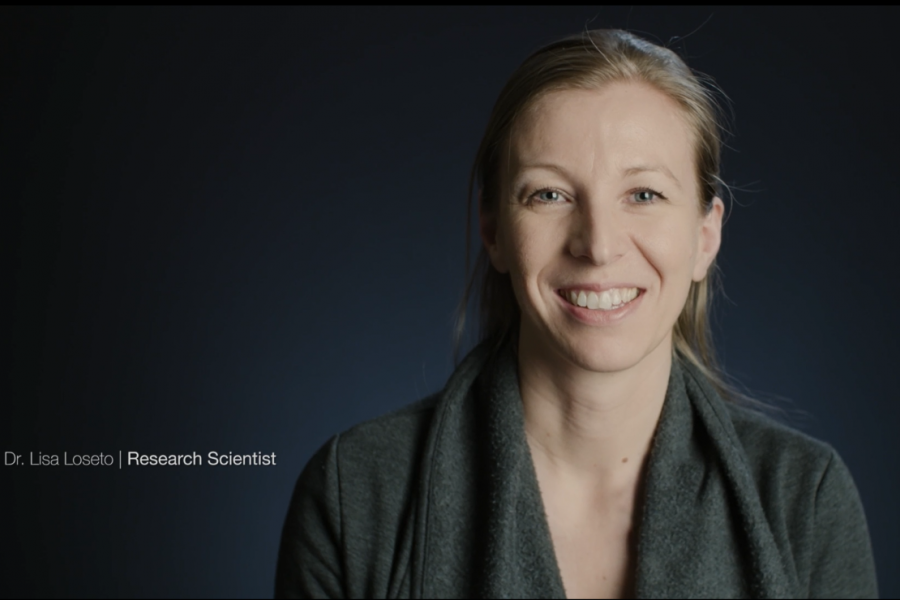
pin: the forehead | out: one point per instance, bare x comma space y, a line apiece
606, 131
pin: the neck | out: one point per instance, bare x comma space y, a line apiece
592, 427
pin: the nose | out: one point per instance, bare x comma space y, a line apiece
596, 234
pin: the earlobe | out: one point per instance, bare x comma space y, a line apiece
710, 239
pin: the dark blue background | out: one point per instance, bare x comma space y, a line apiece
243, 230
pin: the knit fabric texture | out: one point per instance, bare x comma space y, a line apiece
441, 500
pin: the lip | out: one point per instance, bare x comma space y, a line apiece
597, 316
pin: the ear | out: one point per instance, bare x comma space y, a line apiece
709, 240
488, 227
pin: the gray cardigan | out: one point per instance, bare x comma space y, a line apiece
440, 499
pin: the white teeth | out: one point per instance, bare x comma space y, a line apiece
603, 301
616, 297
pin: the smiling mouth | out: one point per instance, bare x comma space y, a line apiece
605, 300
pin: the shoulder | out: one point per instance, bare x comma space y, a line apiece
775, 450
790, 468
375, 462
382, 455
382, 448
785, 464
811, 504
392, 432
355, 498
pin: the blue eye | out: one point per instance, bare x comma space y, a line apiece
645, 196
549, 196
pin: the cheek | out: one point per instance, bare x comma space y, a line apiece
670, 247
533, 244
531, 247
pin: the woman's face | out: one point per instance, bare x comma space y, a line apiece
599, 224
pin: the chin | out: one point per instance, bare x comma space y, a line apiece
602, 357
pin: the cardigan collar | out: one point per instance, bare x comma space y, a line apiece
481, 529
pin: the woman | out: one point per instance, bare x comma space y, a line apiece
587, 447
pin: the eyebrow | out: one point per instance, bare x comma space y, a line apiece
550, 166
635, 170
652, 169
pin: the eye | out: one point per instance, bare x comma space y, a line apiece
646, 196
548, 196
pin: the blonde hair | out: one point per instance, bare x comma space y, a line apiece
589, 61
